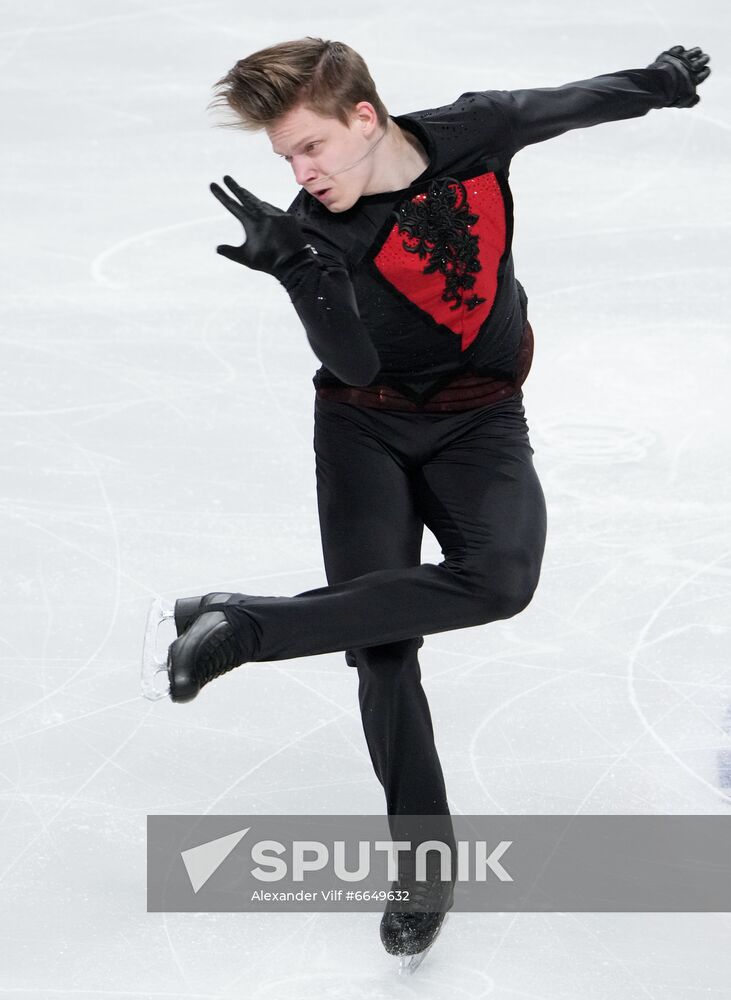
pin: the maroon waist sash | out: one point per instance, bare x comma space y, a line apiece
465, 392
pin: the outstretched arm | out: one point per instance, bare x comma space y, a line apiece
320, 289
544, 112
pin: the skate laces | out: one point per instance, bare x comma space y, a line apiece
221, 651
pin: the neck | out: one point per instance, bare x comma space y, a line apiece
403, 159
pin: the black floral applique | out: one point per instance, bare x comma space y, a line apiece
439, 222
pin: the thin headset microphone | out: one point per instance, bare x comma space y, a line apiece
350, 166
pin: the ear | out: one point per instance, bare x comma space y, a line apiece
366, 115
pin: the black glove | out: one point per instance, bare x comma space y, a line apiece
273, 237
691, 64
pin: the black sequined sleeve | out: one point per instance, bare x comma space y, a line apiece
544, 112
323, 297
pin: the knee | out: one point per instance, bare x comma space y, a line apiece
516, 592
501, 585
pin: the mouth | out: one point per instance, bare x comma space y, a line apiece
321, 192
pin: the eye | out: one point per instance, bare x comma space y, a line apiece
308, 147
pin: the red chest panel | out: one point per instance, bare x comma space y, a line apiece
443, 252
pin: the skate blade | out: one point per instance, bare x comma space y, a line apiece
408, 964
152, 663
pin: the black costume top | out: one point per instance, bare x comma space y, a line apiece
425, 275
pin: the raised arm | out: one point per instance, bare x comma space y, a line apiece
544, 112
319, 287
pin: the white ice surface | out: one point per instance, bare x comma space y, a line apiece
157, 440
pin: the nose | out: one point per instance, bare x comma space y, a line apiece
304, 172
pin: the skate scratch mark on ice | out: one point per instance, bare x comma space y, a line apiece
23, 34
640, 644
612, 759
73, 102
75, 991
107, 759
572, 628
577, 812
216, 315
271, 756
97, 265
588, 594
181, 415
15, 794
58, 450
631, 690
15, 650
646, 728
662, 21
640, 229
294, 678
74, 546
217, 25
498, 948
488, 718
112, 807
694, 564
85, 715
107, 409
678, 630
277, 943
115, 567
105, 371
350, 712
678, 272
174, 952
292, 421
48, 618
719, 124
57, 29
610, 644
624, 619
636, 761
364, 782
634, 979
675, 460
645, 180
97, 368
427, 65
498, 665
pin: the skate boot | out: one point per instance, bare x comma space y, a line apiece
190, 664
187, 609
208, 648
410, 933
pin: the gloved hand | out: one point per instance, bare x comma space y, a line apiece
692, 65
272, 236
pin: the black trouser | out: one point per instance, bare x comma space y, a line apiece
381, 476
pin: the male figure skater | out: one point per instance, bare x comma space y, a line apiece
396, 254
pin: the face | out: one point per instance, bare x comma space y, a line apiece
318, 147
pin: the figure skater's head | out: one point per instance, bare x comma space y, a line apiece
319, 106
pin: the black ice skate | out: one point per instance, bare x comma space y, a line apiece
206, 647
187, 609
410, 933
